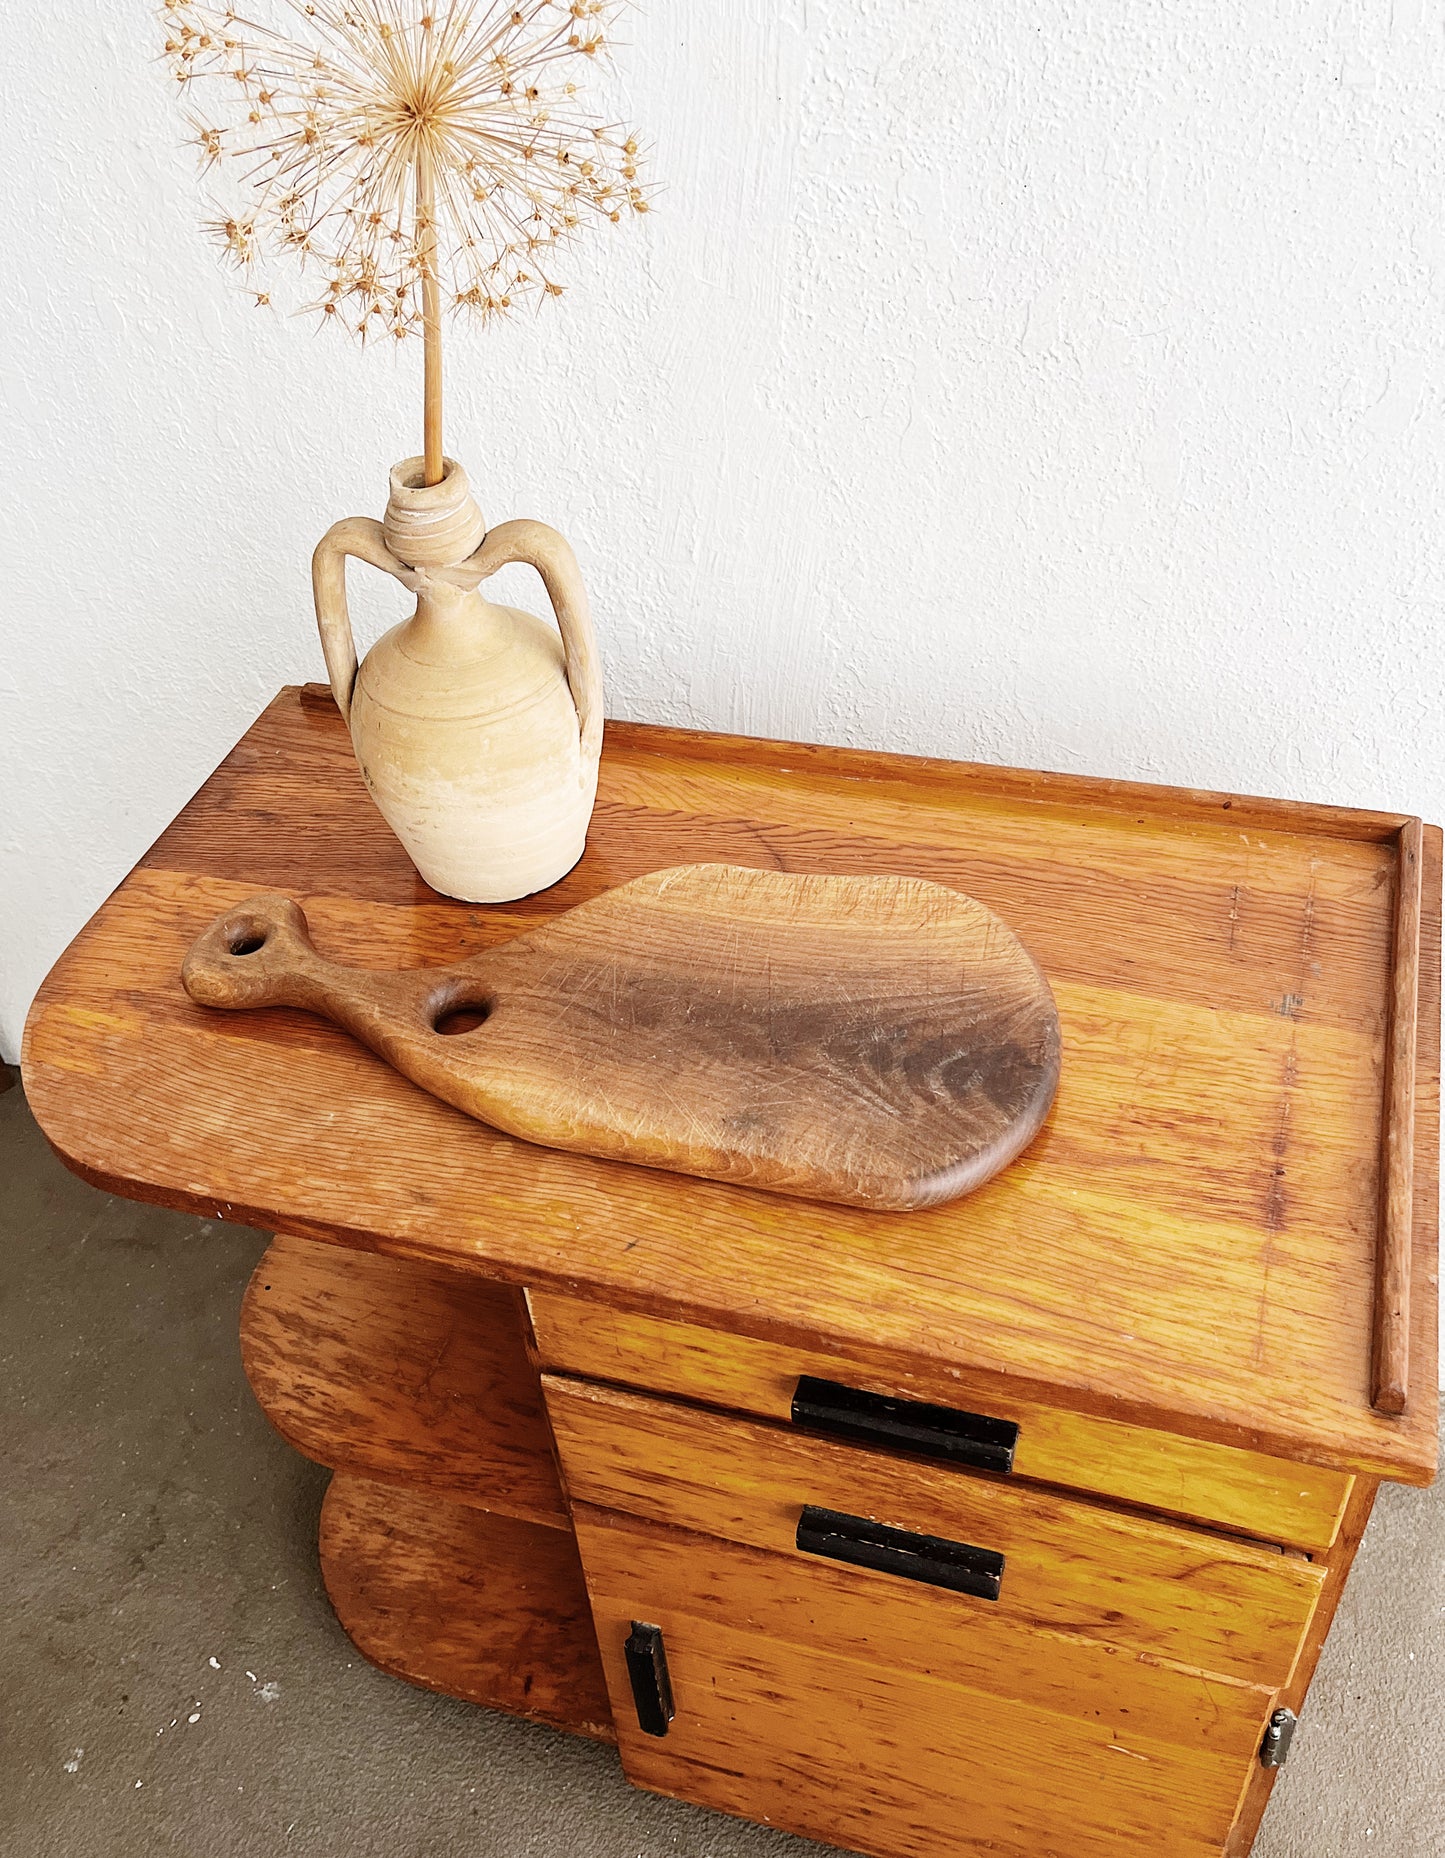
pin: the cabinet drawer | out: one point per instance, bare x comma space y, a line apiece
1247, 1492
876, 1716
1149, 1587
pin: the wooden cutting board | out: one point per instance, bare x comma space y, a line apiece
877, 1041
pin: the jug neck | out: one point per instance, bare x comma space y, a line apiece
431, 525
448, 620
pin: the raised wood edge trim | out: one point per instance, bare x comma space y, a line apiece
1038, 785
1390, 1368
982, 778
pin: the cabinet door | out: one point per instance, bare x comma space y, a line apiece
861, 1709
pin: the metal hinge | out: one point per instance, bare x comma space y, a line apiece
1274, 1750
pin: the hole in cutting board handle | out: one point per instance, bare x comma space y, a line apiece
457, 1016
245, 944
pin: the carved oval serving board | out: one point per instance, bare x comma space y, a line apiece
878, 1041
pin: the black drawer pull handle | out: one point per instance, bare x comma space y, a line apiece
930, 1558
647, 1673
905, 1425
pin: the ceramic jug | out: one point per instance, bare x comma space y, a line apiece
477, 728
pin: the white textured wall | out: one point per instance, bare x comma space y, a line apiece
1056, 383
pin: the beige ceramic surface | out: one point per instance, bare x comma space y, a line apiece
477, 727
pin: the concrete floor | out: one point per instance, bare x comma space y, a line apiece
172, 1680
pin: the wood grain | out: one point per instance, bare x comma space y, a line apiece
878, 1041
1190, 1244
1391, 1360
478, 1606
1210, 1602
822, 1704
408, 1373
1293, 1504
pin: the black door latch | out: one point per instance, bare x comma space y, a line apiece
647, 1673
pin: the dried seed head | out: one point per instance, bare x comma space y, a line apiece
329, 130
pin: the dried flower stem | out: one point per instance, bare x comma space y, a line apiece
431, 320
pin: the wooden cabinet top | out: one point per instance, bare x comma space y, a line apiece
1193, 1243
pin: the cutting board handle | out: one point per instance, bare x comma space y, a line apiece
261, 954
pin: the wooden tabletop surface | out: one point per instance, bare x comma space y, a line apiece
1192, 1242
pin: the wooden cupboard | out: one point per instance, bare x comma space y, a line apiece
1015, 1525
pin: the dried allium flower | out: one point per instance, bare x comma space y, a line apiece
417, 154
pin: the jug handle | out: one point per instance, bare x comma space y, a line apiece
537, 546
361, 536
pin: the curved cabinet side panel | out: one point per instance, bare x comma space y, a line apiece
411, 1373
478, 1606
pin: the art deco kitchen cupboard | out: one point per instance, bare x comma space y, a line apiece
1013, 1526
